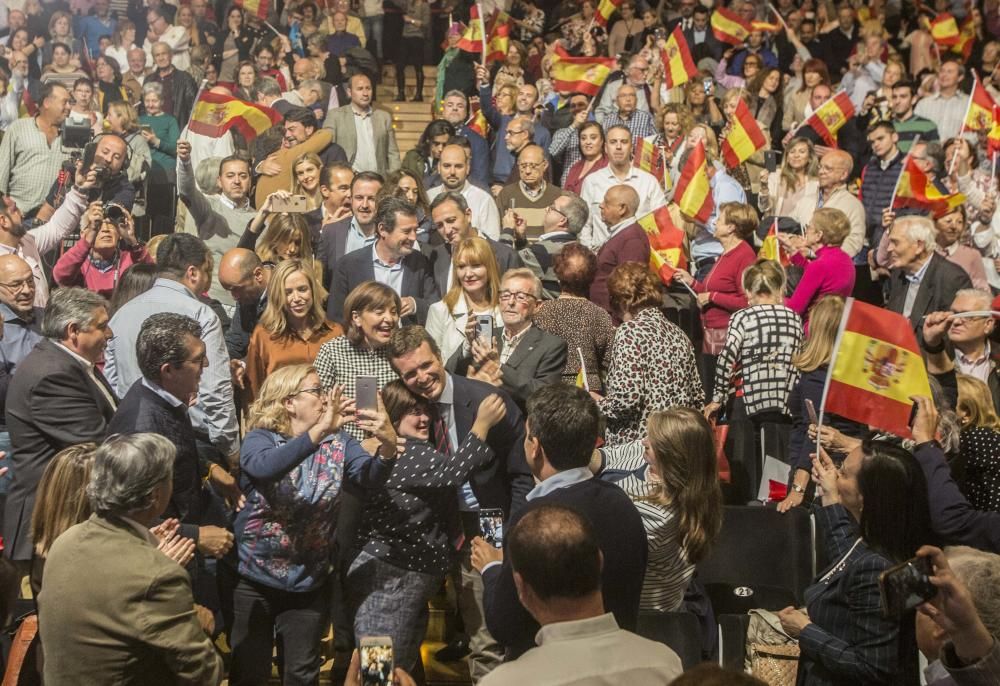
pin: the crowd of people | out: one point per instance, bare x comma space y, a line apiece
260, 384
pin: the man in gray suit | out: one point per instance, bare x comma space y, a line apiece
363, 132
522, 358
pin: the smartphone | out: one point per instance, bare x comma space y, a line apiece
491, 527
365, 393
484, 328
376, 660
295, 203
771, 160
906, 586
146, 128
811, 411
707, 85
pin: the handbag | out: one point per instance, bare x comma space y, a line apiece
775, 665
720, 432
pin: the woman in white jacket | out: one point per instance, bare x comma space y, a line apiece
475, 291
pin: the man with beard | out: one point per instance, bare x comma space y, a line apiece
355, 231
453, 166
302, 135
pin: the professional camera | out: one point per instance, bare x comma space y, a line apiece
76, 133
115, 214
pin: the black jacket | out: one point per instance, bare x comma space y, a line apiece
185, 90
938, 287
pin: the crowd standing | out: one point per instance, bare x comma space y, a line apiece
260, 384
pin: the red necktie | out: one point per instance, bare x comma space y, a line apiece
441, 443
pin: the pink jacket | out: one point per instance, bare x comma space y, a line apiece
74, 268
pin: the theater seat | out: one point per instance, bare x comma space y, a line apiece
761, 559
678, 630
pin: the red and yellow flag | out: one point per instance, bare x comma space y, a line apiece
678, 65
666, 242
981, 109
694, 191
604, 11
993, 137
830, 116
742, 137
477, 120
765, 26
647, 156
730, 27
915, 189
214, 114
771, 248
497, 34
966, 38
257, 7
579, 74
876, 368
944, 30
472, 38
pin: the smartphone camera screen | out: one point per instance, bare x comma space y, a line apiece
376, 662
491, 526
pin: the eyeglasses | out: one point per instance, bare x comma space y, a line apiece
529, 166
513, 132
315, 390
556, 210
516, 296
18, 286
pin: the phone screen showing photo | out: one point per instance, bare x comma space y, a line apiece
491, 527
376, 662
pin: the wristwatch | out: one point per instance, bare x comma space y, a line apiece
798, 489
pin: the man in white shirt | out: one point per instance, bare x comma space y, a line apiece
177, 37
946, 108
557, 562
618, 147
453, 166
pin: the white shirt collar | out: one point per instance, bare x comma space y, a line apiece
448, 394
577, 629
560, 480
171, 399
82, 360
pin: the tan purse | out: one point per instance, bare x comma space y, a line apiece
775, 665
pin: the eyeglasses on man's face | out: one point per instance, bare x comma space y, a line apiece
517, 296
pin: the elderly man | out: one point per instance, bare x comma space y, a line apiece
921, 280
111, 601
453, 166
179, 89
635, 75
638, 122
340, 39
58, 398
452, 217
22, 321
530, 195
138, 69
455, 111
562, 222
246, 278
627, 241
160, 30
618, 147
31, 153
522, 358
365, 134
834, 170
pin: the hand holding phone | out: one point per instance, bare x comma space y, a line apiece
905, 586
484, 329
376, 660
293, 203
366, 393
811, 411
491, 526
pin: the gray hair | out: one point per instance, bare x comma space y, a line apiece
163, 339
269, 86
126, 472
984, 297
527, 124
70, 306
450, 196
455, 93
152, 87
980, 572
917, 228
575, 211
524, 273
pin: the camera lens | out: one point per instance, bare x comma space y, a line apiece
114, 213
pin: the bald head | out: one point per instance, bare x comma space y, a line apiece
834, 169
14, 271
620, 202
243, 274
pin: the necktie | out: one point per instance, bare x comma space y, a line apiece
441, 432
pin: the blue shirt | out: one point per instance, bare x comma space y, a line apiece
390, 275
724, 189
356, 238
90, 28
19, 336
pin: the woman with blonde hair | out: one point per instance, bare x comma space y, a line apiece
293, 327
306, 178
124, 120
794, 192
977, 467
475, 290
827, 269
294, 464
286, 238
672, 478
813, 363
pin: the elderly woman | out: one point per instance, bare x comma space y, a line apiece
831, 271
451, 322
404, 540
294, 462
161, 133
371, 315
107, 247
587, 328
646, 341
292, 328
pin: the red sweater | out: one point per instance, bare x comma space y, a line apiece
725, 283
74, 268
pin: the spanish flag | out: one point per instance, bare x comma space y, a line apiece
771, 248
730, 27
472, 39
944, 30
214, 114
256, 7
604, 11
666, 242
993, 139
830, 116
694, 190
981, 109
765, 26
678, 65
966, 38
477, 120
498, 37
648, 156
915, 189
876, 367
579, 74
742, 138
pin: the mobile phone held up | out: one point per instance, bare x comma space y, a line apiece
484, 329
365, 393
295, 203
376, 660
906, 586
491, 527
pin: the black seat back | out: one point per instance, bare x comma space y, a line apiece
679, 631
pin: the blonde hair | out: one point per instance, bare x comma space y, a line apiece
824, 321
281, 229
275, 316
61, 500
711, 142
764, 277
833, 225
125, 110
478, 252
975, 400
313, 198
268, 410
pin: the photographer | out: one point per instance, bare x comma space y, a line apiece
107, 247
107, 156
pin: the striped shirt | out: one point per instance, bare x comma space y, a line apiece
28, 164
668, 571
340, 362
909, 129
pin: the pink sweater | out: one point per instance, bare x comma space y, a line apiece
74, 268
725, 283
832, 272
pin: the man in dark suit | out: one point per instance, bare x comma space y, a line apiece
245, 277
699, 36
504, 482
453, 218
921, 281
335, 187
524, 358
562, 429
391, 260
354, 232
58, 398
171, 356
627, 241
